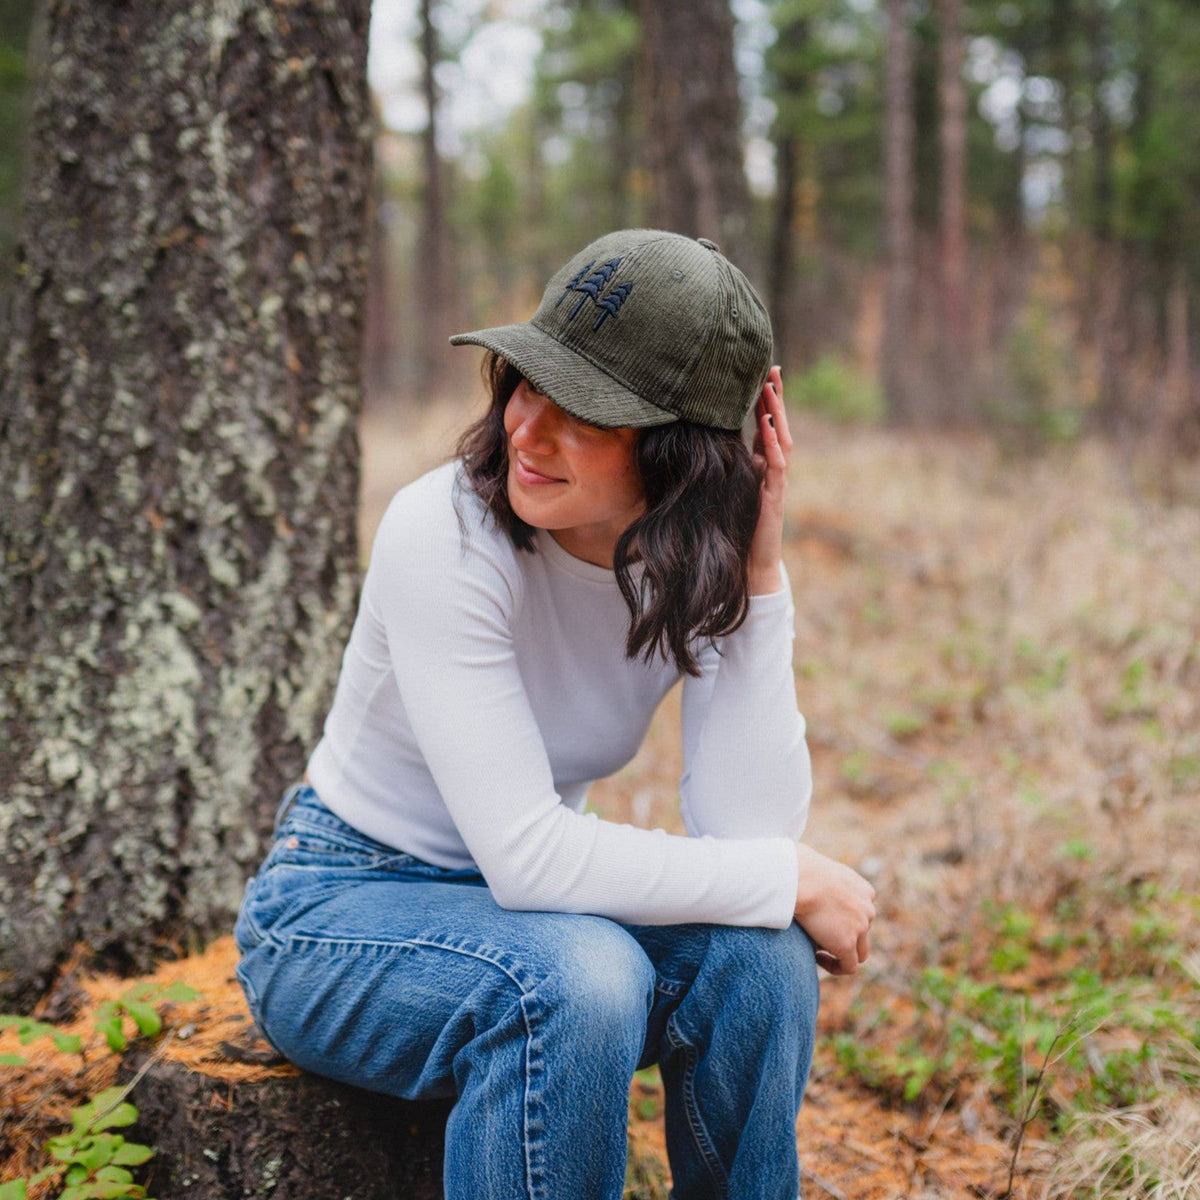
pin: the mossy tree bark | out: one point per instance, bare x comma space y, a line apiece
178, 455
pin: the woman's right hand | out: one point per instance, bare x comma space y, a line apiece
835, 906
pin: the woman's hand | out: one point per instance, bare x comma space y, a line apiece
835, 906
772, 450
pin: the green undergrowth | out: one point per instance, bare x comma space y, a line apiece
1064, 1018
91, 1161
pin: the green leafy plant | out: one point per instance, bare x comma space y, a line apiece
29, 1029
139, 1005
90, 1161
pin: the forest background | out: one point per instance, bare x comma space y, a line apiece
977, 226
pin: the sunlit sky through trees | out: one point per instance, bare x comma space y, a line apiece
491, 50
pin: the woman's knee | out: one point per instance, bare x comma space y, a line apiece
601, 980
770, 970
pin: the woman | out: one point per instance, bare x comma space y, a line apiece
438, 915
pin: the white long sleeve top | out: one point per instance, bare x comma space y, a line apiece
485, 687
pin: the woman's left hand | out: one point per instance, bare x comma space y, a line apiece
772, 450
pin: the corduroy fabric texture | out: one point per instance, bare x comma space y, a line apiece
643, 327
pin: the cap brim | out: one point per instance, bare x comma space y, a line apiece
573, 382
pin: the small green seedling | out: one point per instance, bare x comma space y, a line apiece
91, 1162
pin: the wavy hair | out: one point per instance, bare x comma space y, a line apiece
692, 541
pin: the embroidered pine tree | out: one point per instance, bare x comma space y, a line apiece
589, 282
612, 302
593, 285
573, 286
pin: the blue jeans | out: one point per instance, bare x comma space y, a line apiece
370, 966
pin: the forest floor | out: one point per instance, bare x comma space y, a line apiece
997, 658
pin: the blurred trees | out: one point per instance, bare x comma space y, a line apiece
434, 268
906, 398
1013, 238
1017, 240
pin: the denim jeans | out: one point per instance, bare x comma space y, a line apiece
370, 966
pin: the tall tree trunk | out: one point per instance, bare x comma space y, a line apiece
432, 291
1100, 125
952, 215
1107, 299
1062, 20
623, 139
179, 455
788, 61
781, 268
904, 400
694, 146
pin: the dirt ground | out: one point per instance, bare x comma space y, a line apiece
997, 659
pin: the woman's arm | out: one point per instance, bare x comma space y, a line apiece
746, 763
448, 619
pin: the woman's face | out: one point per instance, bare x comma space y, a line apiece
577, 481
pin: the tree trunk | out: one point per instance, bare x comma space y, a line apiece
179, 455
1100, 126
904, 400
1106, 298
693, 120
432, 291
297, 1136
788, 62
952, 215
781, 268
1062, 22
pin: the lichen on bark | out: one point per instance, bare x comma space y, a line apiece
177, 444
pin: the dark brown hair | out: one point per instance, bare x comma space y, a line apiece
693, 540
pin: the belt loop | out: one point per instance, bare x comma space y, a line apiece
287, 804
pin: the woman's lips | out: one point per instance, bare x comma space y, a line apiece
531, 478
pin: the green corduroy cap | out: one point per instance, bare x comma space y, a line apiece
641, 328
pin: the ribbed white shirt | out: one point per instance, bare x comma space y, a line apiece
485, 687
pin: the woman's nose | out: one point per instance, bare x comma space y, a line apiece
535, 420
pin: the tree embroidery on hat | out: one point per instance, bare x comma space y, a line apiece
592, 283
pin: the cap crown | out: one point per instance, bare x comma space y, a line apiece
668, 317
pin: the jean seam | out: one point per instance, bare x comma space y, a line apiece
527, 993
528, 1102
699, 1130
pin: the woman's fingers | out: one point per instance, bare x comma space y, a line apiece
770, 417
836, 906
771, 404
864, 946
771, 448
